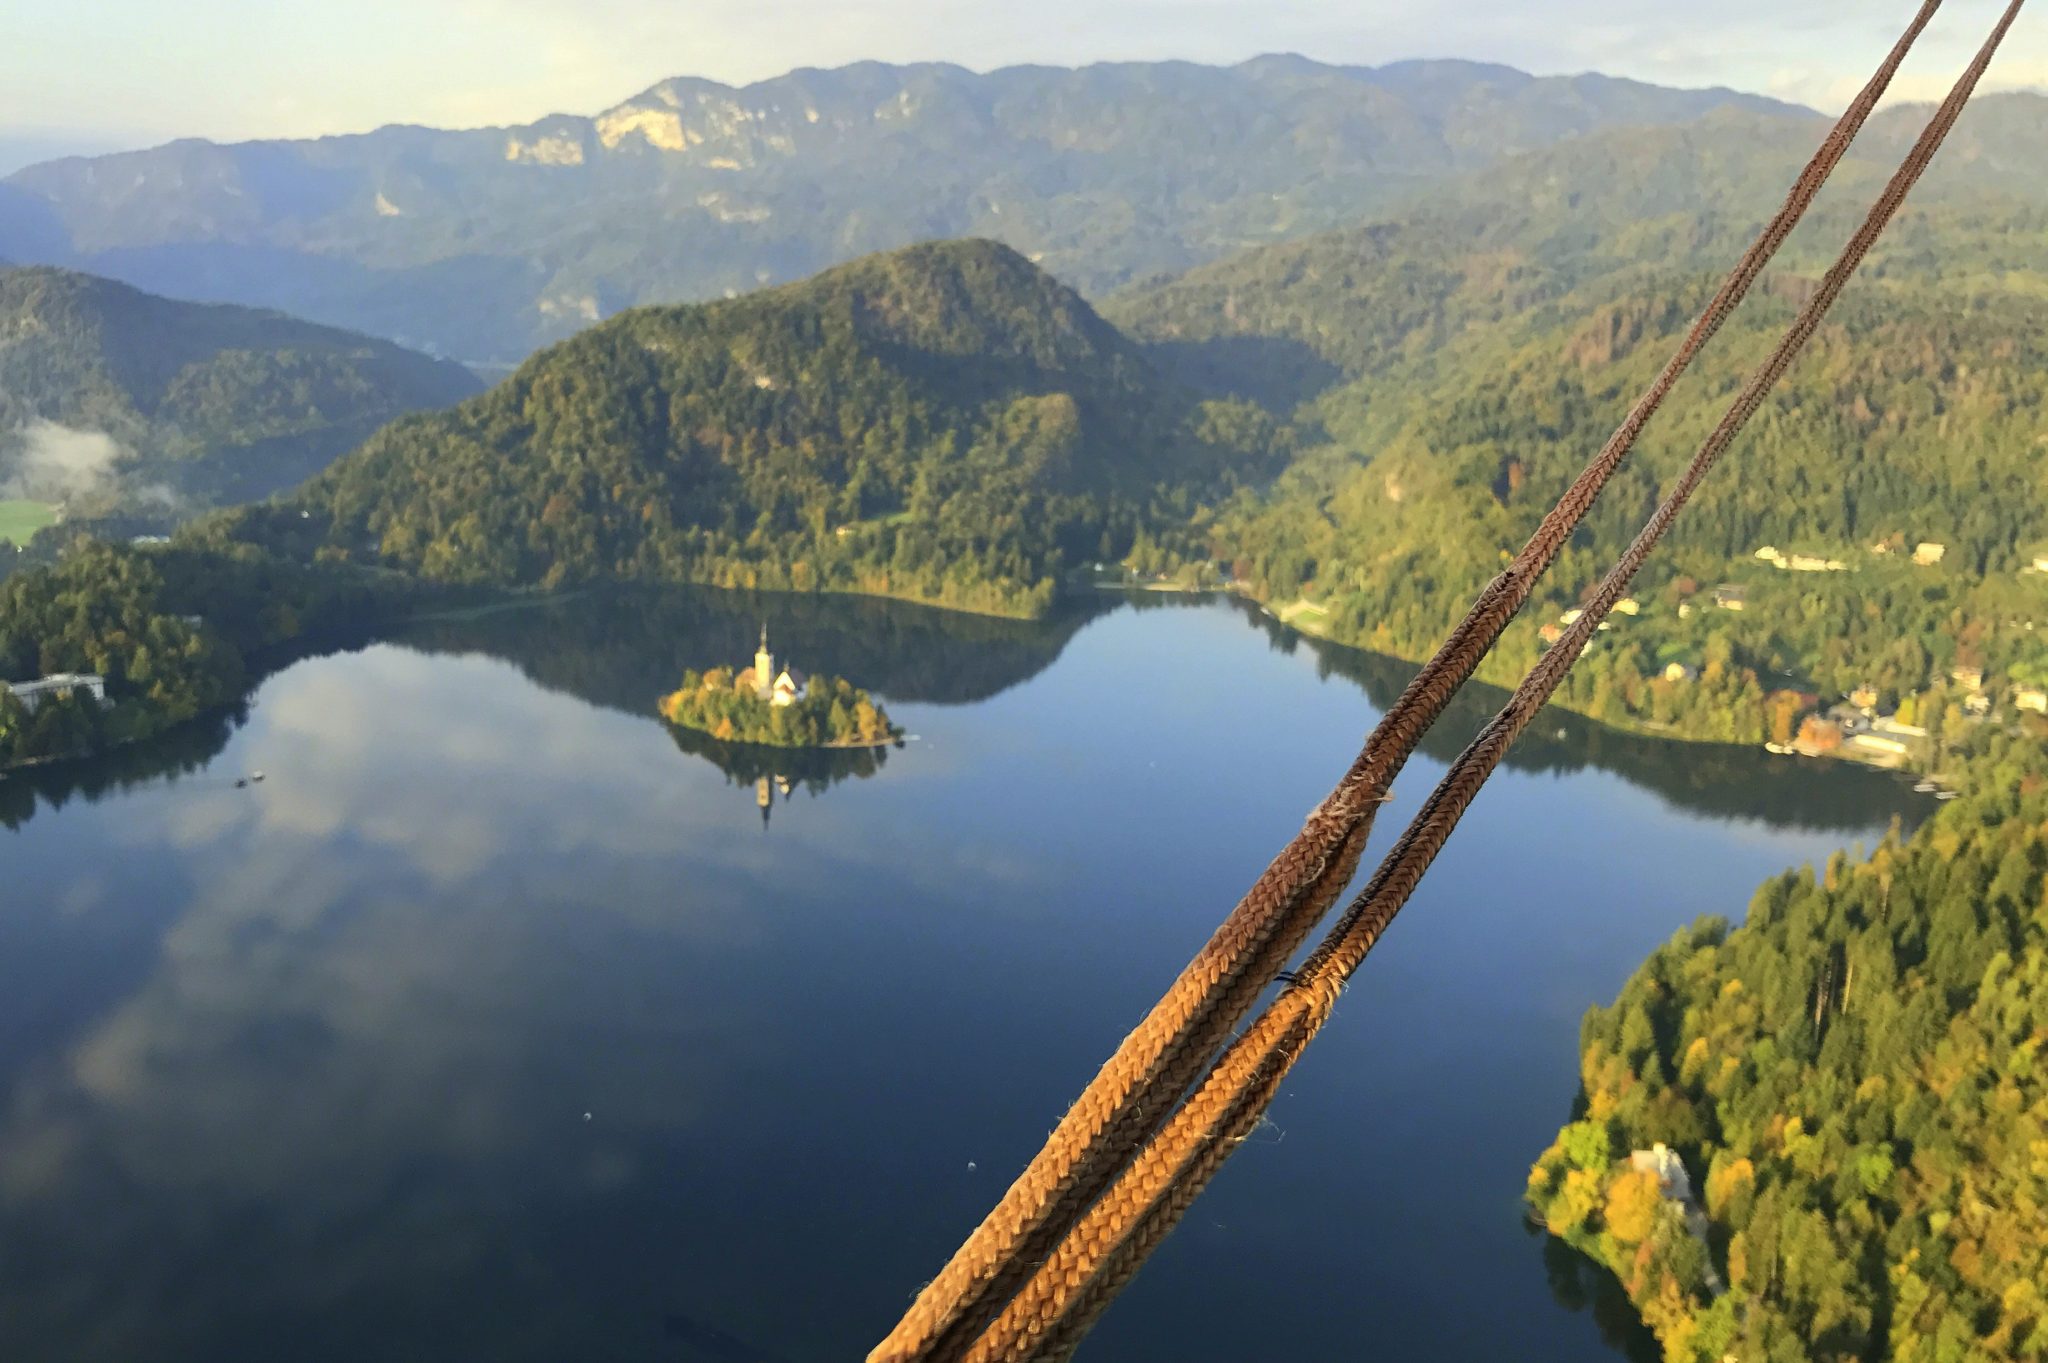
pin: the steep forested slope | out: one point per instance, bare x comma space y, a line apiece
113, 398
1465, 361
945, 422
1618, 205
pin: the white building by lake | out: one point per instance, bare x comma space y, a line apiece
62, 686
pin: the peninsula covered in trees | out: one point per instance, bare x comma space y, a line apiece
174, 631
1853, 1082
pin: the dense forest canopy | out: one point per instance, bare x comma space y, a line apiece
173, 630
1455, 368
112, 400
1853, 1080
945, 422
1625, 205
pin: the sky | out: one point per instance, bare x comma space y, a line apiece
93, 75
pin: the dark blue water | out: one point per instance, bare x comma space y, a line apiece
497, 1024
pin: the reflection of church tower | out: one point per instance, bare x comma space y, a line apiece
764, 665
764, 796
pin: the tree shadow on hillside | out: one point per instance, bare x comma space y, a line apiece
1276, 372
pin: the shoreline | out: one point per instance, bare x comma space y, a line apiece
856, 746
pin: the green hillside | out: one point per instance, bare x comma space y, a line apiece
112, 400
1853, 1081
20, 519
945, 422
1463, 364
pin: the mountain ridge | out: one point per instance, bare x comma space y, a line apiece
111, 396
488, 242
945, 422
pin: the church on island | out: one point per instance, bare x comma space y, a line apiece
785, 687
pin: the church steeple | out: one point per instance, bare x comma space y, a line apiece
764, 664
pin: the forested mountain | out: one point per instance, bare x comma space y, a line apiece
1462, 363
1853, 1080
945, 422
112, 399
1628, 203
486, 243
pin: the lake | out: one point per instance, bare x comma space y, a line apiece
499, 1023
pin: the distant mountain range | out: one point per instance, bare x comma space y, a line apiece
116, 401
484, 244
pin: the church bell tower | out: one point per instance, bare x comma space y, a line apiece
764, 664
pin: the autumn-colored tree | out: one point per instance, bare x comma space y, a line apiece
1630, 1211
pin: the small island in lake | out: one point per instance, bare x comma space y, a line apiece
778, 707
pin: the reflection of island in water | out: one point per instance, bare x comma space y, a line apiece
775, 775
621, 649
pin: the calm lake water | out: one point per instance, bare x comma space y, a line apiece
498, 1024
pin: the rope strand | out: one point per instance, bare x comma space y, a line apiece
1046, 1320
1153, 1067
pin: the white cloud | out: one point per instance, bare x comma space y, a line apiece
50, 462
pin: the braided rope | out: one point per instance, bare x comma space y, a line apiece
1046, 1320
1154, 1065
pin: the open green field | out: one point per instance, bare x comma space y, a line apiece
19, 519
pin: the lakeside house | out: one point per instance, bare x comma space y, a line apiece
1730, 596
1927, 553
1800, 563
1848, 719
1967, 676
2031, 698
1675, 1186
1663, 1161
783, 687
1848, 730
61, 686
1882, 746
